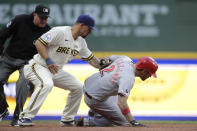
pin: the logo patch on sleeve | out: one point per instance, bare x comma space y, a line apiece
47, 37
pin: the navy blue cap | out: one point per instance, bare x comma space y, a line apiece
87, 20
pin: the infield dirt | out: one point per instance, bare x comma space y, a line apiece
57, 127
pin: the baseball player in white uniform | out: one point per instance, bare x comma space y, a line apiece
106, 92
55, 48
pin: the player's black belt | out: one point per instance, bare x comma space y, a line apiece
89, 96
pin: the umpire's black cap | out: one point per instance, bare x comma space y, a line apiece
42, 10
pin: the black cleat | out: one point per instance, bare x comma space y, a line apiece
79, 122
4, 114
14, 122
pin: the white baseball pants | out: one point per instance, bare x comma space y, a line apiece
44, 81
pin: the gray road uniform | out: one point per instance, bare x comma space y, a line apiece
101, 90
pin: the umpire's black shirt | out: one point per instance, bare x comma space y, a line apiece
23, 33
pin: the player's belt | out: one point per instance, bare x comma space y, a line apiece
89, 96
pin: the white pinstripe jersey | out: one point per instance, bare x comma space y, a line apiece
62, 47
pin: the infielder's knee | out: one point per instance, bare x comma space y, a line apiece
78, 90
48, 85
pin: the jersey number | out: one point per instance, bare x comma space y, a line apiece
108, 69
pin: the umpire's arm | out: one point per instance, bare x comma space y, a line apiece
5, 32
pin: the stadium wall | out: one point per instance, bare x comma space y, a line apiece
126, 26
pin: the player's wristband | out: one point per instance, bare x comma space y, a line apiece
49, 61
125, 111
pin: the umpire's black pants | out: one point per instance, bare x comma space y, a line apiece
7, 66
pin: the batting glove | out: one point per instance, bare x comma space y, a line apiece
136, 124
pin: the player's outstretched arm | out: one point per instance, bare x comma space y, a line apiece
95, 62
99, 63
122, 103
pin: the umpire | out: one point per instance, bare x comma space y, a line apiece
22, 30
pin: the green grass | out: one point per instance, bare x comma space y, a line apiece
171, 122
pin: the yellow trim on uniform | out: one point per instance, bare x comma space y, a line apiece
83, 59
33, 69
89, 58
159, 55
43, 42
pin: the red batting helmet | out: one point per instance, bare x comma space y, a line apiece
148, 64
